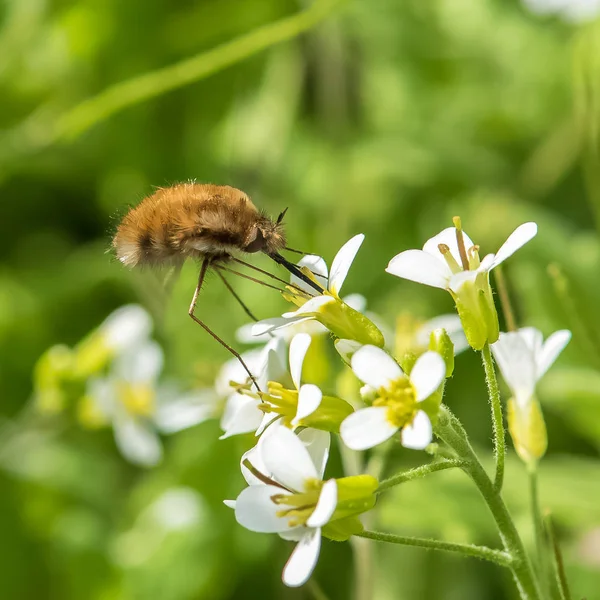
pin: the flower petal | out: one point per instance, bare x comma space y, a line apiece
140, 364
517, 364
421, 267
519, 237
374, 366
137, 441
326, 505
185, 411
346, 348
312, 306
317, 443
255, 510
298, 349
342, 263
243, 416
229, 503
366, 428
448, 238
287, 459
309, 399
303, 560
427, 374
553, 346
318, 266
127, 326
419, 433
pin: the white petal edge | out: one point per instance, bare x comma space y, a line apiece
326, 505
298, 349
417, 435
427, 374
137, 441
518, 238
421, 267
246, 419
309, 399
255, 510
286, 457
346, 349
374, 366
366, 428
517, 365
185, 411
342, 262
356, 301
317, 443
127, 326
140, 364
303, 560
229, 503
551, 349
312, 306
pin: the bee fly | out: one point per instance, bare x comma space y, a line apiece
210, 223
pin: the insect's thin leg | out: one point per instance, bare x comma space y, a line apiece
236, 296
296, 251
241, 262
203, 270
244, 276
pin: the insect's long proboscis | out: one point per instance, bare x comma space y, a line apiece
294, 270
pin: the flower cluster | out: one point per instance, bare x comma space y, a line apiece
389, 386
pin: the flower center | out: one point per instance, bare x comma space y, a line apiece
401, 401
298, 507
281, 401
138, 399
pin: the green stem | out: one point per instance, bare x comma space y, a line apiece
538, 525
417, 473
559, 567
496, 556
451, 431
497, 419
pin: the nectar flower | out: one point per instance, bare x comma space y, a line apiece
304, 405
450, 261
397, 400
289, 497
131, 399
523, 358
242, 413
328, 309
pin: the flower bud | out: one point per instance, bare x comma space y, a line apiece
477, 311
528, 430
440, 342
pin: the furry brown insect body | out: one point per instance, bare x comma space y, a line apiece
191, 220
207, 222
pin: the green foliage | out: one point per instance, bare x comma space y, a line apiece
386, 118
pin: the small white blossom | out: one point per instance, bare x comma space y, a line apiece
397, 399
524, 357
572, 11
439, 264
290, 499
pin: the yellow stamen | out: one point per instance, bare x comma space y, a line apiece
400, 399
461, 243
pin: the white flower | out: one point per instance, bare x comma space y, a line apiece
131, 398
396, 406
293, 405
242, 413
524, 357
327, 310
441, 265
289, 499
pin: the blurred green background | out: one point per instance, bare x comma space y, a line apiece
387, 117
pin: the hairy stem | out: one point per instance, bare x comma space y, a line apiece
417, 473
496, 556
497, 418
538, 524
451, 431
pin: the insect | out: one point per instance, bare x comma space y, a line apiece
206, 222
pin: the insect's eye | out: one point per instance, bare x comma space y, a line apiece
280, 217
257, 244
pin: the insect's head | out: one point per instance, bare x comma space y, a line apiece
267, 235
